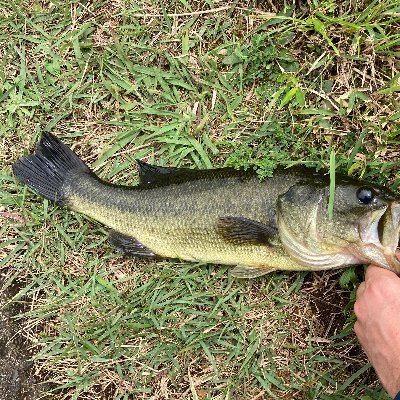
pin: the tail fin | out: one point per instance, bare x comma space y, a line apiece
44, 172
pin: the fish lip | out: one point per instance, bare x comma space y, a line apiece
393, 262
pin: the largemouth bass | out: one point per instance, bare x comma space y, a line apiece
226, 216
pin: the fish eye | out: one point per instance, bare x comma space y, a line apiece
365, 195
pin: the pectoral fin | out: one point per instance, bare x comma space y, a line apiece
242, 271
239, 230
129, 245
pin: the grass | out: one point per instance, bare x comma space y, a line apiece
197, 84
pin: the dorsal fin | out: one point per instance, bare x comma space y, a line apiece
155, 176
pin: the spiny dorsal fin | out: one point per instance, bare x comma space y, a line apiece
150, 174
129, 245
243, 271
155, 176
240, 230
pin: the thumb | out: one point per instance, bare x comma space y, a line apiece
374, 272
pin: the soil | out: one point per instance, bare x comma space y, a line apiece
16, 372
328, 301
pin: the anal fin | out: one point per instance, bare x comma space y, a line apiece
243, 271
129, 245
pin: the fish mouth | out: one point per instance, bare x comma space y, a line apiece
381, 237
393, 240
395, 210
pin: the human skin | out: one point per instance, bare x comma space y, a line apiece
378, 324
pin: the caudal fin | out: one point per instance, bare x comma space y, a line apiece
45, 170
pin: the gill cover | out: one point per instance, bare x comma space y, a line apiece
297, 217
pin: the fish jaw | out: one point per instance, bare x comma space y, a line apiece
390, 236
368, 227
379, 238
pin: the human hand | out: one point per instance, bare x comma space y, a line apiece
377, 309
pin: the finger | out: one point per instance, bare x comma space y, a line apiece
374, 272
358, 311
359, 332
360, 290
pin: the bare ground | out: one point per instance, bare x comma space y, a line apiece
16, 373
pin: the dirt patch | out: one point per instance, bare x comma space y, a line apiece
16, 373
328, 301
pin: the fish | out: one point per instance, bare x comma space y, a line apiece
224, 215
